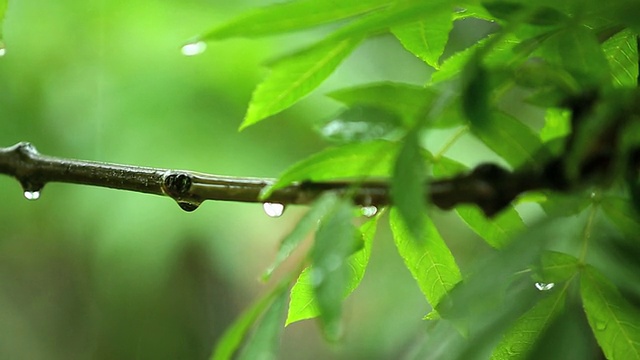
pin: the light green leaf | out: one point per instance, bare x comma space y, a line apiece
408, 185
405, 100
521, 338
621, 51
497, 231
428, 259
265, 341
557, 266
615, 322
508, 137
359, 160
235, 334
309, 221
557, 124
295, 76
330, 269
427, 37
303, 302
291, 16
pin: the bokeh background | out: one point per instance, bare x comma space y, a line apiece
104, 274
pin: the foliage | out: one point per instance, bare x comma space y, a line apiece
555, 52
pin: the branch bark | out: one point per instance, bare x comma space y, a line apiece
488, 186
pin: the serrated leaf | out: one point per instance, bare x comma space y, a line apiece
405, 100
265, 341
497, 231
291, 16
621, 52
295, 76
515, 142
521, 338
235, 334
303, 303
613, 320
428, 259
309, 221
329, 266
359, 160
408, 185
427, 37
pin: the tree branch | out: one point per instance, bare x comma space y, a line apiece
488, 186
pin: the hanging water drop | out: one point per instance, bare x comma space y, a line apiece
273, 209
369, 211
194, 48
32, 195
188, 206
544, 286
3, 49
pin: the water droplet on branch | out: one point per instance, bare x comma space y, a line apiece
195, 48
273, 209
32, 195
544, 286
369, 211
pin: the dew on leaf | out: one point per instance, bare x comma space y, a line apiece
369, 211
195, 48
32, 195
544, 286
273, 209
601, 325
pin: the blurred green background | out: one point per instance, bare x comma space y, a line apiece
104, 274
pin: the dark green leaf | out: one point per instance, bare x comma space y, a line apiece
265, 341
359, 160
557, 266
428, 259
526, 12
330, 267
291, 16
295, 76
309, 221
404, 100
622, 214
303, 302
235, 334
497, 231
621, 52
476, 89
362, 123
515, 142
613, 320
427, 37
408, 185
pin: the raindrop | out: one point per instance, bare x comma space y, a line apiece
369, 211
273, 209
601, 325
544, 286
3, 51
188, 206
317, 276
194, 48
32, 195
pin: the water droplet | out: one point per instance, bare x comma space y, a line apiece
317, 276
32, 195
3, 51
188, 206
194, 48
544, 286
273, 209
601, 325
369, 211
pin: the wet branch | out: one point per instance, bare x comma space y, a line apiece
488, 186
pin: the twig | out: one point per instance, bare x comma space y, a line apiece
488, 186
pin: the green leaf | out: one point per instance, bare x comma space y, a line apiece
515, 142
622, 214
359, 160
621, 52
303, 302
330, 268
613, 320
497, 231
557, 124
518, 342
362, 123
405, 100
408, 185
3, 10
427, 37
557, 266
291, 16
295, 76
235, 334
525, 12
309, 221
428, 259
265, 341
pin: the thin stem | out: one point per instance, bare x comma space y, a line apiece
458, 134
